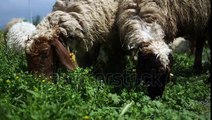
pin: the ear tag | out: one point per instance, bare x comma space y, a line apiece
73, 57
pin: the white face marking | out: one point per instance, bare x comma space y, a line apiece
143, 32
152, 34
161, 50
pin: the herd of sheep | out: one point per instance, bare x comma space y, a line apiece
101, 33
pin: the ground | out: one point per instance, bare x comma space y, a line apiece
78, 95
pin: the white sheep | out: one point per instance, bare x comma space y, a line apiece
18, 34
147, 26
107, 30
82, 26
11, 23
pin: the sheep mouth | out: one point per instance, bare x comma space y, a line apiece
41, 63
153, 74
49, 57
154, 81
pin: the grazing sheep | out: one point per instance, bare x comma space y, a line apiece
147, 26
83, 27
92, 29
18, 34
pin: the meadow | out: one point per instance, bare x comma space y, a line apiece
79, 95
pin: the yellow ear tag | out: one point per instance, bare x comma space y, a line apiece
73, 57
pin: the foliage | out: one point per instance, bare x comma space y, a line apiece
78, 95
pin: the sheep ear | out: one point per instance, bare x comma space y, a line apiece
64, 55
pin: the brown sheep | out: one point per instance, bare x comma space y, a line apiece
44, 53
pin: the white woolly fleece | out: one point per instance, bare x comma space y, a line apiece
180, 45
18, 35
161, 50
142, 32
82, 23
11, 23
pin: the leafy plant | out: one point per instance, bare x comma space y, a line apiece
79, 95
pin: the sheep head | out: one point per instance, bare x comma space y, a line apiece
154, 66
43, 51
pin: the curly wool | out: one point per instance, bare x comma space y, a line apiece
180, 45
88, 20
175, 18
82, 24
148, 21
18, 34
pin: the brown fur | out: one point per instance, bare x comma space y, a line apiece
44, 52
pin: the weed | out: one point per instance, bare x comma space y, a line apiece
79, 95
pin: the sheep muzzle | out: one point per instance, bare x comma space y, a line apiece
46, 55
152, 72
41, 62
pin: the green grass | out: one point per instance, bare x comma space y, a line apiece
78, 95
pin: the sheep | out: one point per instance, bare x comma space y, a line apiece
106, 31
11, 23
147, 26
18, 34
82, 27
182, 45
